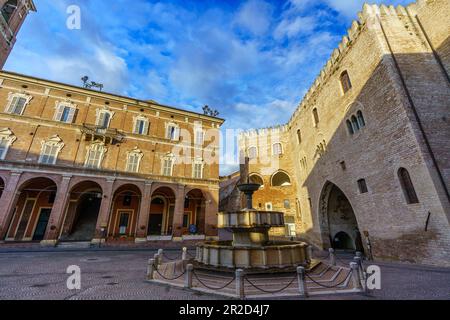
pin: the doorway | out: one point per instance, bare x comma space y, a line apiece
42, 224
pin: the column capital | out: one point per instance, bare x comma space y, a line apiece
67, 176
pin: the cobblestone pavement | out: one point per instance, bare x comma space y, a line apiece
121, 275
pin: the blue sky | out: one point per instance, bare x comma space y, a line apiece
252, 60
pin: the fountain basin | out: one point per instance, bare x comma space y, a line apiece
275, 254
250, 218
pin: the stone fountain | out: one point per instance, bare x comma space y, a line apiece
251, 247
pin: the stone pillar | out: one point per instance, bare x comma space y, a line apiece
7, 202
144, 212
57, 214
301, 278
240, 291
188, 276
150, 269
178, 213
355, 276
332, 257
104, 212
211, 211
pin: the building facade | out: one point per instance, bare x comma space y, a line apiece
13, 14
83, 165
364, 161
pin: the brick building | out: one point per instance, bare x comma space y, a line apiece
364, 162
13, 14
83, 165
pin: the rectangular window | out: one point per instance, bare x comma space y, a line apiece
199, 138
198, 171
65, 114
4, 145
17, 105
48, 155
277, 149
123, 222
362, 186
103, 120
185, 220
141, 127
287, 204
172, 133
167, 168
133, 163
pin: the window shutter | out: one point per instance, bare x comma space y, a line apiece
136, 126
71, 116
59, 112
101, 118
13, 104
177, 134
145, 127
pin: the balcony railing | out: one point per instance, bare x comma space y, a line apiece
107, 135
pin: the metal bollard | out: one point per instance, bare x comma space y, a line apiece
188, 276
355, 276
301, 277
332, 257
240, 284
150, 269
184, 254
309, 254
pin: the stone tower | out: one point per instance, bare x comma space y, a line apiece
12, 15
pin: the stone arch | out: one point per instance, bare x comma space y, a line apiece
32, 208
336, 217
194, 213
82, 211
280, 179
161, 213
124, 210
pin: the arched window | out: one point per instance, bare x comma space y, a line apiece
198, 166
299, 136
350, 127
168, 164
50, 150
281, 179
277, 149
7, 138
8, 9
95, 154
133, 160
407, 186
345, 82
355, 124
254, 178
252, 153
361, 121
315, 117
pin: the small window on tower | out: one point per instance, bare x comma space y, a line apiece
345, 82
362, 186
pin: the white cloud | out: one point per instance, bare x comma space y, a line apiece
292, 27
254, 16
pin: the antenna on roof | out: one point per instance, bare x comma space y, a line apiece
91, 84
210, 112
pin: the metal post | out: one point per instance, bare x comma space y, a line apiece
360, 266
184, 254
302, 288
355, 276
150, 269
332, 257
240, 284
188, 276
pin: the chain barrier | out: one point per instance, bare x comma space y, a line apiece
166, 278
270, 291
171, 259
333, 286
209, 287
